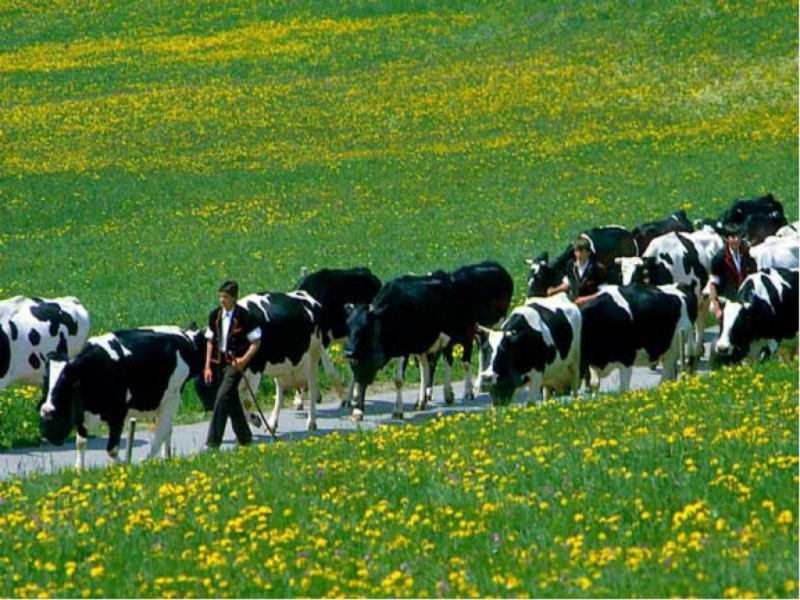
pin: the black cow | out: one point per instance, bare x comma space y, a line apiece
137, 372
422, 316
759, 227
483, 294
765, 309
635, 324
334, 289
643, 234
32, 328
608, 243
408, 317
741, 208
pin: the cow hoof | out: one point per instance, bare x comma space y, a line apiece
312, 426
397, 416
255, 420
272, 425
449, 396
358, 415
469, 397
346, 403
297, 405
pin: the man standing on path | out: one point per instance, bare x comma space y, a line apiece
233, 337
729, 267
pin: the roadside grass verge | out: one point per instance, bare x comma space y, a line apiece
690, 489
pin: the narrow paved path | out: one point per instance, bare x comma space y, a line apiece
189, 439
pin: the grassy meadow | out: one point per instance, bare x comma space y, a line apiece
150, 150
689, 490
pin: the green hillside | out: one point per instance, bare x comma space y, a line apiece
690, 490
149, 151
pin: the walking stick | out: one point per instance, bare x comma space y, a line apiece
260, 413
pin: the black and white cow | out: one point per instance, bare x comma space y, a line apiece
290, 351
424, 316
646, 232
678, 258
32, 328
538, 344
777, 252
334, 289
608, 243
635, 324
136, 372
765, 309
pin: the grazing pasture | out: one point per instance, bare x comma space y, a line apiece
150, 150
690, 489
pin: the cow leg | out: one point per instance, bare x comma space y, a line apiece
424, 381
312, 371
358, 411
535, 388
299, 398
115, 428
625, 374
466, 364
348, 395
274, 416
449, 394
162, 434
699, 332
80, 448
399, 376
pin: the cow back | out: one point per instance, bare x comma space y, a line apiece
288, 322
334, 289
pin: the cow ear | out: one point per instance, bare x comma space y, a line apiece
349, 308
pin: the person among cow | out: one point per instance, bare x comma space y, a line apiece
233, 337
584, 274
729, 268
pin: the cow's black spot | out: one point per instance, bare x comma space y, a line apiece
35, 337
34, 361
14, 330
51, 313
5, 353
62, 347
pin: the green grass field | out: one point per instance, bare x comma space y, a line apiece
150, 150
690, 490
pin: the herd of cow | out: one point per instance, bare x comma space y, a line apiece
652, 311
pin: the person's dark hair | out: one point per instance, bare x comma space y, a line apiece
229, 287
581, 243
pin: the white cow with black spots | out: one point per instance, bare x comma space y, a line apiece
32, 328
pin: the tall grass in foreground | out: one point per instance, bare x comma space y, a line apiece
690, 489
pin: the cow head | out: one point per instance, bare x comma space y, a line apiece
736, 331
542, 275
364, 349
504, 352
58, 405
629, 266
